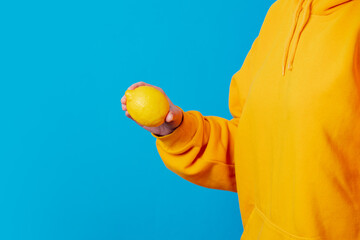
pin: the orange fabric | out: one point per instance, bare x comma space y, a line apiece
292, 149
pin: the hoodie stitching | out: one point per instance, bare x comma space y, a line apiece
279, 229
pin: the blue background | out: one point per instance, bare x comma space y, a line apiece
72, 166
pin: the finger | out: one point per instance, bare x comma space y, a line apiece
128, 115
123, 106
138, 84
123, 100
169, 117
174, 115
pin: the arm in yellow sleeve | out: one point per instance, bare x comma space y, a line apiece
201, 149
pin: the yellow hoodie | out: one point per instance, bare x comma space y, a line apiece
292, 149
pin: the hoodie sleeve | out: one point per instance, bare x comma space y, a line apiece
201, 149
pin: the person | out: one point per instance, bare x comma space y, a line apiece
292, 149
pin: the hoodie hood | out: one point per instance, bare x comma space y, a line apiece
303, 11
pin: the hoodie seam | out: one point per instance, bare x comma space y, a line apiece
279, 229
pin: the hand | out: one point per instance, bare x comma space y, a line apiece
173, 118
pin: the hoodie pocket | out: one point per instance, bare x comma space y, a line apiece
259, 227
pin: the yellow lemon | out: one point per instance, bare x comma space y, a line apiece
147, 105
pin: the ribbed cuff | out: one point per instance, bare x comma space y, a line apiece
181, 136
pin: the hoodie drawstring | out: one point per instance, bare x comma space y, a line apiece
304, 21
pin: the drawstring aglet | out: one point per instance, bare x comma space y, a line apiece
290, 66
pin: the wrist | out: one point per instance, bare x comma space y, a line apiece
172, 130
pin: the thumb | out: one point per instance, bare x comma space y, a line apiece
169, 117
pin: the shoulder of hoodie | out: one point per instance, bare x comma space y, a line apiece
355, 11
350, 12
349, 9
